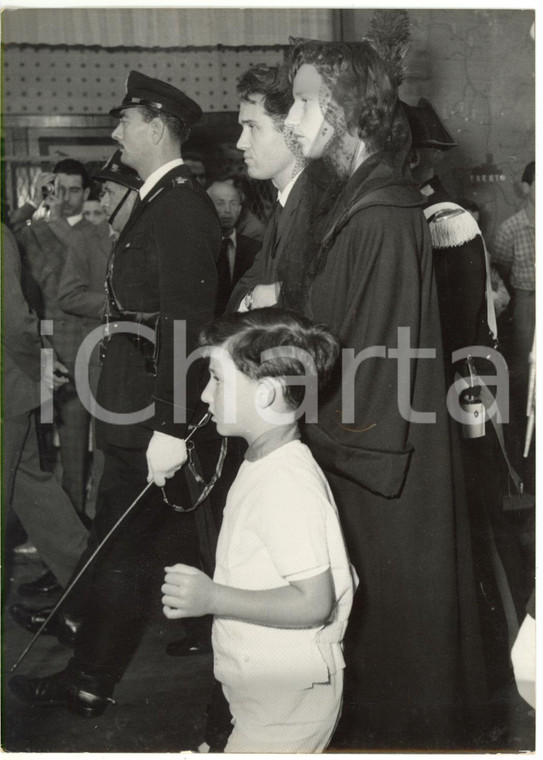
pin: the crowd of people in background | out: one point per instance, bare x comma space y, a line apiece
363, 241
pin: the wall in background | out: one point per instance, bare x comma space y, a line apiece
166, 27
476, 66
84, 80
478, 69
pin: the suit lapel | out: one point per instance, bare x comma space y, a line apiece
240, 261
282, 221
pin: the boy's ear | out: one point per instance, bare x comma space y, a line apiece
266, 392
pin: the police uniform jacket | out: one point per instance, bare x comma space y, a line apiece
163, 269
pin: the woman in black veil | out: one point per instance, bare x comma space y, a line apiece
414, 672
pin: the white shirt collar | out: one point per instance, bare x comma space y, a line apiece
74, 219
232, 250
157, 175
284, 194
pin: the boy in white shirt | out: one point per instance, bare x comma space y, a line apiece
283, 585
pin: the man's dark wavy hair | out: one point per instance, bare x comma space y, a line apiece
72, 167
273, 83
362, 85
249, 334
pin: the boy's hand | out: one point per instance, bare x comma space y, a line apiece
187, 592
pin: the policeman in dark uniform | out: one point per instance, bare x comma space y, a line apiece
467, 319
162, 286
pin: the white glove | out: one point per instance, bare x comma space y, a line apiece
165, 455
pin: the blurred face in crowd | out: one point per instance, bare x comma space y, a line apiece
133, 135
94, 212
227, 201
529, 191
198, 170
307, 116
423, 163
262, 141
112, 195
69, 189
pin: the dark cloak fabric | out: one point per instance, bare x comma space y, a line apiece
459, 263
415, 673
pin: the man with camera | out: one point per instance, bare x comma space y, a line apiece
48, 228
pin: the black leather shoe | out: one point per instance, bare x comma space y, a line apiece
60, 626
79, 693
42, 586
188, 646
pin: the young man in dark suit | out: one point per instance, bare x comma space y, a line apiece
162, 272
271, 153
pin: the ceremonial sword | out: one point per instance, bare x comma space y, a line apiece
205, 419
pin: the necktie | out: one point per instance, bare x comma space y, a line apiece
276, 217
225, 280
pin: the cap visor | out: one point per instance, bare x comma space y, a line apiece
117, 111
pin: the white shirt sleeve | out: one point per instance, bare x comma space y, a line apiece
293, 526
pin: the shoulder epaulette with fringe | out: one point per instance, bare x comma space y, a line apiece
450, 225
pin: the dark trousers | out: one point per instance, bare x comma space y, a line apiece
116, 594
73, 424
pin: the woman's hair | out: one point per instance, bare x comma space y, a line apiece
248, 334
362, 84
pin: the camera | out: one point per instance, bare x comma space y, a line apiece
47, 190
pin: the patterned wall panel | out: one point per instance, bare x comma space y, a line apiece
80, 80
478, 69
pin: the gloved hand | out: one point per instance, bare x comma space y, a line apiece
165, 455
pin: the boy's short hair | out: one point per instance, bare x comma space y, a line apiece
249, 334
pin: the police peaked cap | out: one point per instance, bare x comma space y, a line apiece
427, 129
142, 90
115, 171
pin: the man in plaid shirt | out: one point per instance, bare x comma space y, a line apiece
514, 245
513, 255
